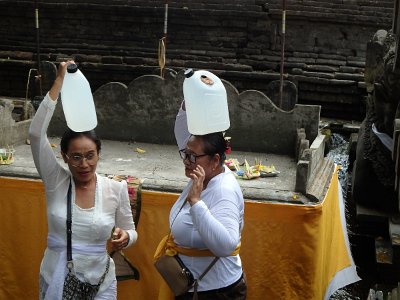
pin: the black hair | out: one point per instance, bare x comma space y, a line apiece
70, 135
214, 143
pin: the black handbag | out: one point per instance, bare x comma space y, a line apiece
74, 288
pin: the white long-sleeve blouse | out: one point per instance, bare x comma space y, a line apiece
214, 223
89, 226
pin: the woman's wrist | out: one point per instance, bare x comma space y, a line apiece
193, 201
127, 242
56, 88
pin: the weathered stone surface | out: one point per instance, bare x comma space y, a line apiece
319, 75
304, 144
112, 60
302, 176
22, 55
321, 68
332, 62
301, 135
349, 76
11, 133
241, 36
145, 111
347, 69
289, 94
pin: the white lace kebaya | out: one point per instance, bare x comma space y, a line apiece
90, 227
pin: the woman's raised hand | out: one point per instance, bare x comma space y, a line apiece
197, 176
56, 87
62, 68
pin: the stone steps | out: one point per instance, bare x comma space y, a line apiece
333, 90
233, 38
337, 4
218, 5
152, 3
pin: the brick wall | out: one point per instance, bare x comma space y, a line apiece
239, 40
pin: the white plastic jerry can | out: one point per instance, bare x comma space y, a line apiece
206, 102
77, 101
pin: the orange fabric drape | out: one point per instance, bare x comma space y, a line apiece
23, 239
292, 251
288, 251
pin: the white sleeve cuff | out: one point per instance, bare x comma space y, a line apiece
50, 103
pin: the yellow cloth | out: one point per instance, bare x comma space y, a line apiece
168, 247
288, 251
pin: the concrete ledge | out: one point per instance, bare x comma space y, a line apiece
162, 169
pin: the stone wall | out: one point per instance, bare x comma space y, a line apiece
11, 132
145, 111
238, 40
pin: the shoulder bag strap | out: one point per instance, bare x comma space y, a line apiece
69, 229
70, 263
173, 221
196, 282
208, 268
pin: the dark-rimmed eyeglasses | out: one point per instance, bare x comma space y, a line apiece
190, 156
77, 159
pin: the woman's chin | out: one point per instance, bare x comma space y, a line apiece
84, 177
188, 172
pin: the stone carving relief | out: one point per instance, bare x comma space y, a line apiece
374, 169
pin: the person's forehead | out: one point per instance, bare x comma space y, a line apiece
82, 143
194, 143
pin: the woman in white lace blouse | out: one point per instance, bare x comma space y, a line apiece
99, 204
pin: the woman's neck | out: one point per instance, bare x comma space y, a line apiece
86, 185
218, 170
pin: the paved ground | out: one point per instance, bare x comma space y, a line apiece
162, 169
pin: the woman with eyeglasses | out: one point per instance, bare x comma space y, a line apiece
207, 219
99, 205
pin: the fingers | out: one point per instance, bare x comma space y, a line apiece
62, 68
119, 239
197, 176
66, 63
58, 82
199, 173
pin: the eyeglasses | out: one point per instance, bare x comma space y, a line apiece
77, 159
190, 156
